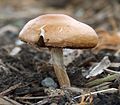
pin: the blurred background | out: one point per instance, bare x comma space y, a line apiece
100, 14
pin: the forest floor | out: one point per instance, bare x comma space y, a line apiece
27, 76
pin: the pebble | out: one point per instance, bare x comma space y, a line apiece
49, 82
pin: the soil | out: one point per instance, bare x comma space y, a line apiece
30, 66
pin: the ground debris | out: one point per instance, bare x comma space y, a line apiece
15, 51
102, 80
28, 66
107, 40
99, 68
7, 101
10, 89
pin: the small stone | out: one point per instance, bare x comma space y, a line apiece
49, 82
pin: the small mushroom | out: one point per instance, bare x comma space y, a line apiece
58, 31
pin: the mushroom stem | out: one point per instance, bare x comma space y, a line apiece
59, 68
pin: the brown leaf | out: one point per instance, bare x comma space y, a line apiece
107, 40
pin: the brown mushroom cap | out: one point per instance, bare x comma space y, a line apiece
59, 30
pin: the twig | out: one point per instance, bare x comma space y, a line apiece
111, 71
42, 102
13, 68
10, 101
102, 86
102, 80
101, 91
10, 89
33, 98
113, 64
86, 61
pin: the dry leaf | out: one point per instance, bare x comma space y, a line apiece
99, 68
107, 41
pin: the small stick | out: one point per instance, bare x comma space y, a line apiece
13, 68
33, 98
86, 61
101, 91
10, 89
42, 102
102, 80
10, 101
111, 71
102, 86
113, 64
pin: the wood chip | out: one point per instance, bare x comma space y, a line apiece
99, 68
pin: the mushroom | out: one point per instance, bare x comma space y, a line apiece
58, 31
